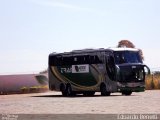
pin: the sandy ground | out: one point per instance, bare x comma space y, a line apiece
54, 103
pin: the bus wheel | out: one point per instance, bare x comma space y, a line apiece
69, 91
63, 90
104, 91
126, 93
89, 93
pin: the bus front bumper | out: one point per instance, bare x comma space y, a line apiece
134, 87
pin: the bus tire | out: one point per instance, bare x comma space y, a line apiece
104, 91
127, 93
69, 91
63, 90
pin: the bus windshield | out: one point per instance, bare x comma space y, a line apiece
127, 57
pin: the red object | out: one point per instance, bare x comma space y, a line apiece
14, 83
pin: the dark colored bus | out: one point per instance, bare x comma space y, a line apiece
97, 70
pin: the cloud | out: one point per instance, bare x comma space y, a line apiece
59, 4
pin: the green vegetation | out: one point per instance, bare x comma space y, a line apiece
34, 89
25, 90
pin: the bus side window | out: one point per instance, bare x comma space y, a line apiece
79, 60
51, 60
97, 60
87, 59
55, 60
94, 59
91, 59
67, 60
59, 60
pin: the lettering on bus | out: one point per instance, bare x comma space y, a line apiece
66, 70
75, 69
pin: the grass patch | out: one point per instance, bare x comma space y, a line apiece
152, 82
34, 89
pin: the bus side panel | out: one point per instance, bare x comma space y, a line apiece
88, 78
80, 81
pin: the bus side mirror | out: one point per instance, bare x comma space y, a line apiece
149, 72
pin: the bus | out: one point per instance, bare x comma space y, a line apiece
101, 70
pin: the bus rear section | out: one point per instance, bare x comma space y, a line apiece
75, 73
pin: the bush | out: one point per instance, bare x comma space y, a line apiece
25, 90
152, 81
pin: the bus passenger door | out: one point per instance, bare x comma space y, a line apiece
110, 74
110, 66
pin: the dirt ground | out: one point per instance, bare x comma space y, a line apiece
53, 103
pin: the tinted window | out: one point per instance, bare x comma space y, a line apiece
127, 57
73, 60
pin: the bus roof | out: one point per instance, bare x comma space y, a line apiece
124, 49
94, 50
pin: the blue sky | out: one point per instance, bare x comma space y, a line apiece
31, 29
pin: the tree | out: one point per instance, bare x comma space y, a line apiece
141, 53
129, 44
126, 43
